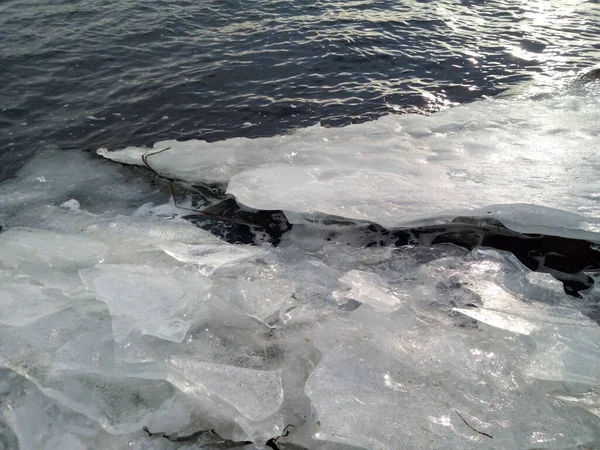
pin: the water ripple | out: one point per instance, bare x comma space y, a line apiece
156, 70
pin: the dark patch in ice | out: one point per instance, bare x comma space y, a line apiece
192, 437
566, 259
593, 74
350, 305
210, 438
268, 225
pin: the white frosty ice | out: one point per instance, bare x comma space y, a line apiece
530, 163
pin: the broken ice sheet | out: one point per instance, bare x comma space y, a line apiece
56, 354
568, 342
246, 396
502, 309
589, 400
119, 404
385, 389
210, 255
30, 348
91, 351
28, 246
37, 422
368, 288
260, 299
396, 377
32, 419
24, 301
158, 301
410, 366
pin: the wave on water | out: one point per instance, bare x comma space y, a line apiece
376, 307
538, 156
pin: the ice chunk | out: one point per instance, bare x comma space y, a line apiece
91, 351
40, 423
509, 153
504, 310
589, 400
78, 373
49, 258
568, 341
155, 301
35, 428
118, 404
27, 247
72, 205
24, 301
250, 398
383, 388
256, 394
260, 300
369, 288
211, 255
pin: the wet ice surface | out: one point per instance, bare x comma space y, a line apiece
125, 326
533, 164
118, 319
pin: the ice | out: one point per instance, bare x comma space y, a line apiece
210, 256
21, 247
388, 391
155, 301
123, 326
530, 163
588, 400
66, 441
370, 289
69, 175
401, 378
34, 427
256, 394
41, 423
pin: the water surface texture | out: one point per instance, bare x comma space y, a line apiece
380, 306
83, 73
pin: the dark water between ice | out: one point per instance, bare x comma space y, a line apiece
83, 73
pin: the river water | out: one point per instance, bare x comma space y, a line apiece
299, 225
92, 73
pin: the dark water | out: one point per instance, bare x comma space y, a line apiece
85, 74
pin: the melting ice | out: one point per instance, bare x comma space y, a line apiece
124, 326
538, 156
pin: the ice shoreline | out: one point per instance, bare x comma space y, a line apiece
137, 319
125, 326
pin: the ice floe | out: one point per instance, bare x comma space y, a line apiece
125, 326
533, 164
